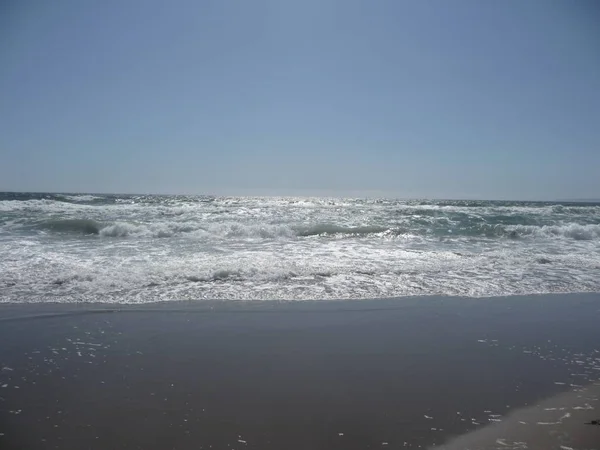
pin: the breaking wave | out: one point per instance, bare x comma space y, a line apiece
330, 229
573, 231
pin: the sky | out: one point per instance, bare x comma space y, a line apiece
413, 99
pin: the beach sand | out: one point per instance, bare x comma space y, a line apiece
516, 372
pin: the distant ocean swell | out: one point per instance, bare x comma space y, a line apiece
111, 248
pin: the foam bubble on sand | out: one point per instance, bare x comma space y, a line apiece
560, 420
587, 406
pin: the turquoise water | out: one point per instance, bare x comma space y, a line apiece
128, 248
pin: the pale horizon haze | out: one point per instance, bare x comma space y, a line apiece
410, 99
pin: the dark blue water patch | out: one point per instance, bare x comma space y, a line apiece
79, 226
501, 203
94, 199
332, 229
105, 199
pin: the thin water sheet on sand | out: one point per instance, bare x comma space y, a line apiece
517, 372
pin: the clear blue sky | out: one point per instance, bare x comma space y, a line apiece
467, 99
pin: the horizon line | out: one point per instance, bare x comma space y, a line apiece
381, 196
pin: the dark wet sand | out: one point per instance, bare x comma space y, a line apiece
473, 373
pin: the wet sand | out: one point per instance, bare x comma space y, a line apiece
517, 372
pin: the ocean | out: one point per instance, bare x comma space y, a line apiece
148, 248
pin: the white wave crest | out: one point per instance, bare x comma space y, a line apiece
79, 198
121, 230
572, 231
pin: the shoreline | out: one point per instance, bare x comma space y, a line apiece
387, 373
352, 302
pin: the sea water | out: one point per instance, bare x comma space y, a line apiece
148, 248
